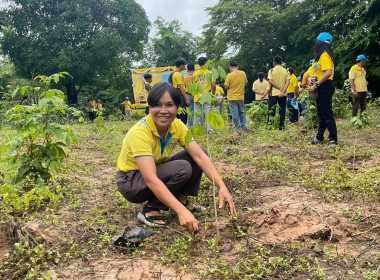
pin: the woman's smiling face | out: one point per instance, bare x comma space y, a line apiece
164, 112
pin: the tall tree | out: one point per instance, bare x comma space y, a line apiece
255, 31
171, 42
84, 38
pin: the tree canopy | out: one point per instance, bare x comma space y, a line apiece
84, 38
258, 30
170, 43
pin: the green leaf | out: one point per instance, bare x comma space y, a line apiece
206, 98
209, 77
15, 92
23, 89
197, 130
200, 89
215, 74
215, 120
188, 138
222, 73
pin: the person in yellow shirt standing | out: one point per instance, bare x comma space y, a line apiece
279, 78
321, 79
188, 80
358, 81
292, 94
259, 87
127, 107
200, 77
176, 79
235, 83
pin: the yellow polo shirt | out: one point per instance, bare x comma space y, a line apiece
261, 87
187, 81
200, 77
358, 74
177, 79
318, 68
127, 105
143, 140
293, 83
279, 75
219, 90
236, 82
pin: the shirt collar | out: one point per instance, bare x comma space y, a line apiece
152, 126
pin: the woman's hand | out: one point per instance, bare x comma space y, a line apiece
225, 196
188, 221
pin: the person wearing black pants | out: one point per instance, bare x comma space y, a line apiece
279, 79
272, 101
325, 112
321, 80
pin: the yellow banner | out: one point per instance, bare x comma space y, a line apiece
159, 74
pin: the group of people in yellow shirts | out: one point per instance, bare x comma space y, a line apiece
93, 107
283, 88
235, 83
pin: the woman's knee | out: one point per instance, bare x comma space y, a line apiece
184, 169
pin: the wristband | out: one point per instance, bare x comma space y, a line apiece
316, 84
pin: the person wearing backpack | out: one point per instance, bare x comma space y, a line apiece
176, 79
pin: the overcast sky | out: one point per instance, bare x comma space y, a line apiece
190, 13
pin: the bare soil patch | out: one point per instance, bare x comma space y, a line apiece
122, 268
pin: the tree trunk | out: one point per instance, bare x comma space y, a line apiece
72, 93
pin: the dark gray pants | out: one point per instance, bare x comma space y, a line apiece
362, 101
180, 174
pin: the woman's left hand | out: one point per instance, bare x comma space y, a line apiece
225, 196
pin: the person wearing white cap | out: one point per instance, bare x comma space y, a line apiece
358, 81
321, 79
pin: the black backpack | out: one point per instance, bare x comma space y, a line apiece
170, 79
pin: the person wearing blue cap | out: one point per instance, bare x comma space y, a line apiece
358, 81
321, 80
127, 107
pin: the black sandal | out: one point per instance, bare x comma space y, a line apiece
150, 221
197, 209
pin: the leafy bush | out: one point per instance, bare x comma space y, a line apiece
37, 148
341, 101
258, 113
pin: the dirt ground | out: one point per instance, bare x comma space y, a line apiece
274, 214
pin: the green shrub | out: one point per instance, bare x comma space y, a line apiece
38, 147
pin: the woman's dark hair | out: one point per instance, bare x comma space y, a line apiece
158, 91
260, 76
301, 75
24, 97
321, 47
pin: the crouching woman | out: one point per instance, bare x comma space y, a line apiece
147, 171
